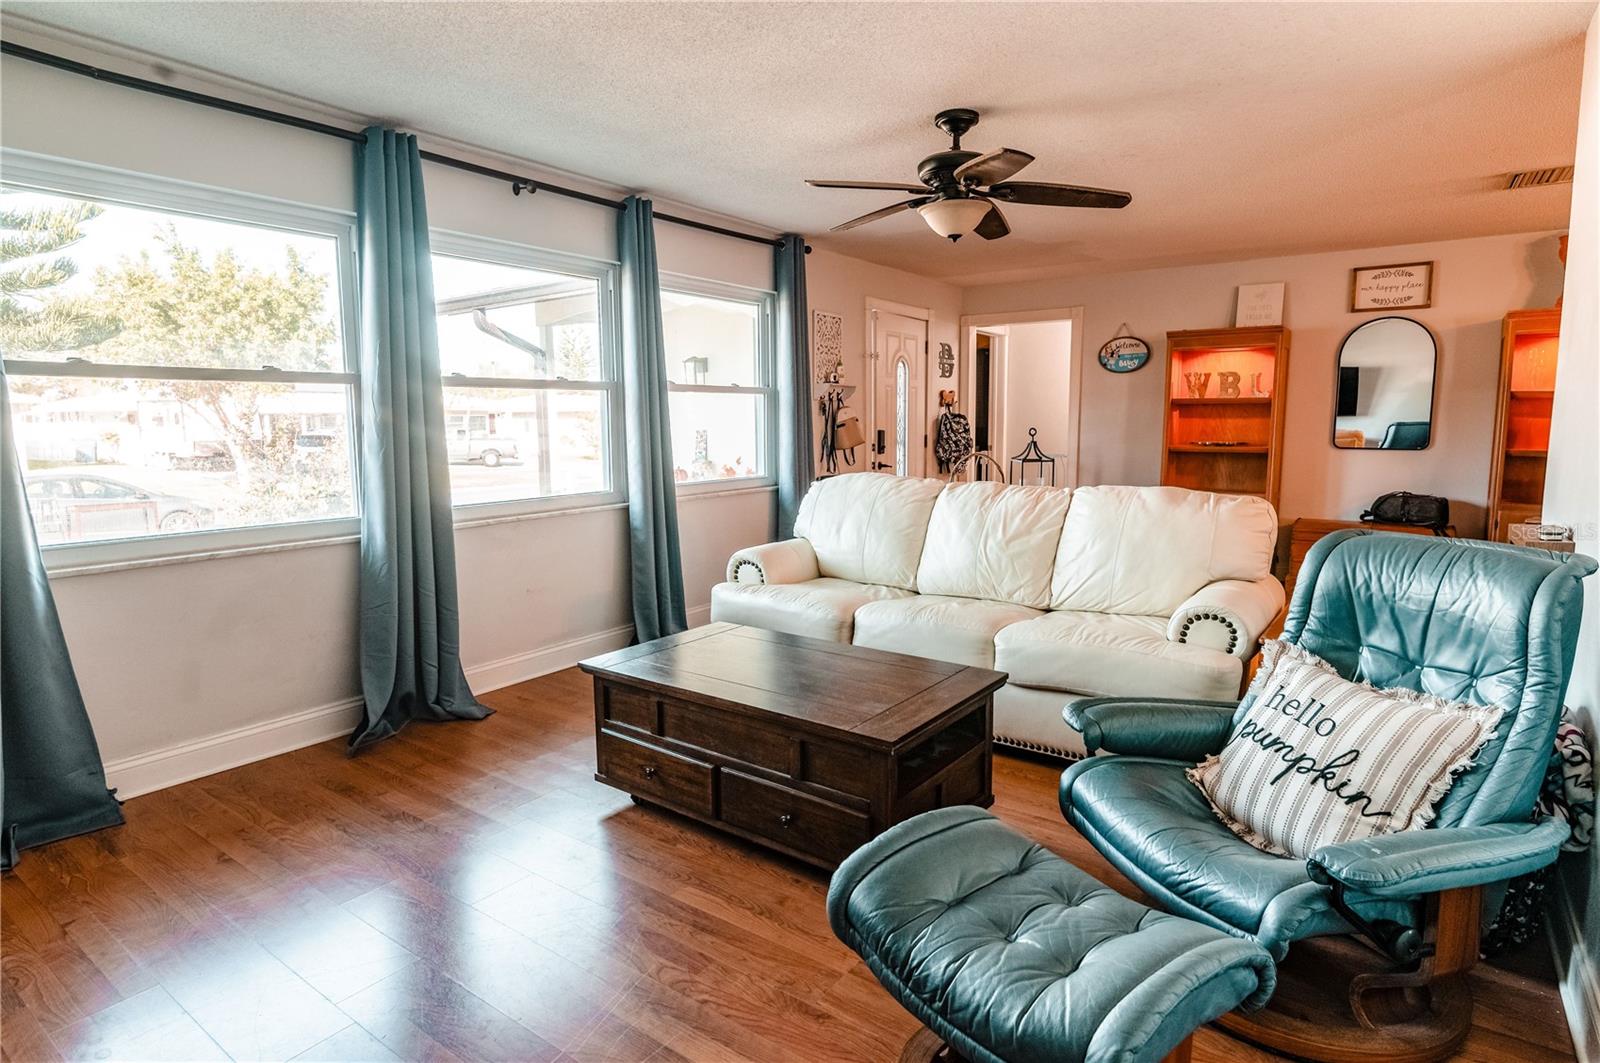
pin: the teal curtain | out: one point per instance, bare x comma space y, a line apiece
795, 467
410, 624
657, 565
52, 784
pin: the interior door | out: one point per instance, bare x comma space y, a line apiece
899, 411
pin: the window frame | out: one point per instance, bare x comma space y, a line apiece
67, 177
605, 275
766, 369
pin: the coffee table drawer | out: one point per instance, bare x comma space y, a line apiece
642, 769
821, 828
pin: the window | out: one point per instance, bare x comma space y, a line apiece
176, 357
719, 380
530, 388
902, 413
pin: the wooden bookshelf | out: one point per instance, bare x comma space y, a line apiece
1252, 424
1528, 342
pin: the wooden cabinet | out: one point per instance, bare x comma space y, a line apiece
1225, 407
1528, 342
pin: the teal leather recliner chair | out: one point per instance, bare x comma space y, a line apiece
1462, 619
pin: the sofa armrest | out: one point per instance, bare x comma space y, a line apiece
1411, 863
1174, 728
791, 561
1228, 615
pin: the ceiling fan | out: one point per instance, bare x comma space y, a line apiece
961, 191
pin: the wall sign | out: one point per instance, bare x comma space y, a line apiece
1258, 305
1124, 354
1391, 287
827, 345
947, 361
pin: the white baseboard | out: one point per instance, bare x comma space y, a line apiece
145, 773
492, 675
1580, 982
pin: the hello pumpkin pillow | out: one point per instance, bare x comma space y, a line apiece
1318, 759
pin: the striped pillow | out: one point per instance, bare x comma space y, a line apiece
1318, 759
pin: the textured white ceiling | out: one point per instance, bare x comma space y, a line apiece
1241, 129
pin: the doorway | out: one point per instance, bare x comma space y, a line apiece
897, 350
988, 397
1024, 370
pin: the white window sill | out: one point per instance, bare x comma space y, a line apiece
90, 559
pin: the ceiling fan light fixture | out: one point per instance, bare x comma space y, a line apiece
954, 218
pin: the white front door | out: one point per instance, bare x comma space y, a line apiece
899, 412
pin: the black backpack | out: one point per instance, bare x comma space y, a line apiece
1403, 507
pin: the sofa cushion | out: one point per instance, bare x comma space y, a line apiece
868, 527
987, 540
958, 630
1106, 654
819, 608
1143, 550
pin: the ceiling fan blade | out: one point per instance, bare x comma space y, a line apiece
1049, 195
993, 226
994, 166
881, 186
883, 213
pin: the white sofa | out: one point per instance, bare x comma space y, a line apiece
1147, 591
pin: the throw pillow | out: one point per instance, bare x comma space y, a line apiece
1317, 759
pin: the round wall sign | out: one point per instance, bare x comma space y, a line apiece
1124, 354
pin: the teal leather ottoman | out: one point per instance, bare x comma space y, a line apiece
1012, 955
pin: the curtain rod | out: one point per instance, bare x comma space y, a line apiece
518, 184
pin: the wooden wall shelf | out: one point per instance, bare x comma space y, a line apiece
1253, 422
1528, 347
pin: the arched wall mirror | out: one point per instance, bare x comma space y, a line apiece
1384, 397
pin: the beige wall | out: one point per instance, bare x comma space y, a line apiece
1476, 282
842, 285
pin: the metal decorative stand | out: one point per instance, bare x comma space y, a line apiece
1032, 458
977, 459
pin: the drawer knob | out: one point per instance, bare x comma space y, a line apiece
649, 771
786, 820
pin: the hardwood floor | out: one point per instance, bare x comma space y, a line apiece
467, 891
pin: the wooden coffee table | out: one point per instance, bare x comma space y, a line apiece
805, 746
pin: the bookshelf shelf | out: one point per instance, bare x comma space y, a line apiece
1528, 346
1248, 360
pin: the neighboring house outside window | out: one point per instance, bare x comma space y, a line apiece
530, 381
720, 380
177, 357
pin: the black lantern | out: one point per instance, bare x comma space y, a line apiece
1032, 458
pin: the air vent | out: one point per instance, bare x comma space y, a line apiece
1552, 175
